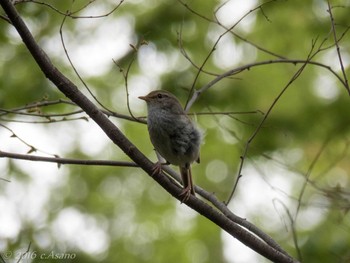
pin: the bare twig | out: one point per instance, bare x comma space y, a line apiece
337, 47
59, 160
228, 113
240, 69
5, 19
72, 13
188, 105
187, 56
308, 174
50, 120
42, 115
294, 231
125, 76
74, 68
246, 148
23, 254
35, 107
14, 135
232, 32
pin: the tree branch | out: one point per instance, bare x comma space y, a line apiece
59, 160
240, 69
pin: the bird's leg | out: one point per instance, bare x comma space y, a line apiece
186, 176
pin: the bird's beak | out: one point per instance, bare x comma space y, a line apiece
145, 98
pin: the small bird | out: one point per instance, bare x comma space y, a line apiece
173, 135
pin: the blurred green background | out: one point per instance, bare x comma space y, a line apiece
296, 173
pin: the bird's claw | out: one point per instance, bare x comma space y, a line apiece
186, 193
157, 169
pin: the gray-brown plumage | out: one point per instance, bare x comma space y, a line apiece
173, 135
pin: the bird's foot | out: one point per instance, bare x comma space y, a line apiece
157, 169
185, 194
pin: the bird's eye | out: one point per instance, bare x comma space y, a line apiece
159, 95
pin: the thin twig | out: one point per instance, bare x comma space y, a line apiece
294, 231
257, 130
337, 47
41, 115
126, 77
240, 69
233, 33
187, 105
39, 104
74, 68
308, 174
14, 135
5, 19
36, 105
50, 120
228, 113
71, 14
23, 254
187, 56
60, 160
32, 148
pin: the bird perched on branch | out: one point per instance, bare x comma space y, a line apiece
173, 135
